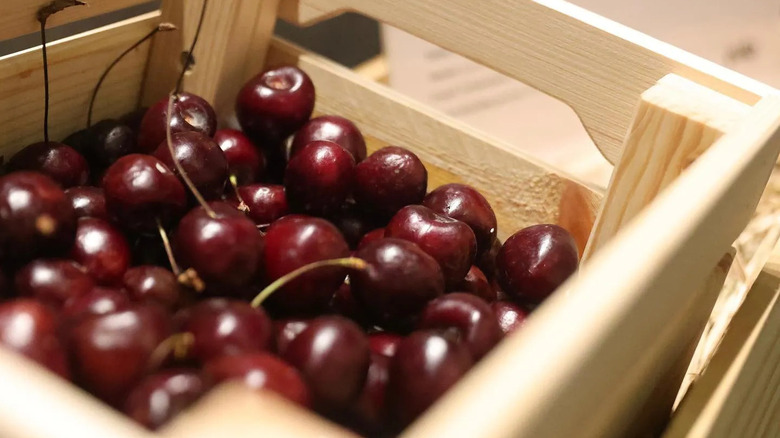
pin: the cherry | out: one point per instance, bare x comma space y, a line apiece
98, 301
332, 355
293, 242
29, 327
223, 246
107, 141
509, 315
534, 261
486, 260
190, 113
245, 161
274, 104
153, 284
368, 412
449, 241
478, 285
319, 178
425, 366
140, 190
286, 330
399, 281
465, 204
261, 371
87, 201
331, 128
344, 303
353, 224
470, 317
384, 343
265, 202
101, 249
35, 216
389, 179
200, 157
161, 396
60, 162
371, 236
221, 327
53, 281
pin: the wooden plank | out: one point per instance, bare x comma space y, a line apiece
596, 66
75, 64
520, 189
676, 121
18, 17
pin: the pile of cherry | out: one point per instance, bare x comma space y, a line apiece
302, 267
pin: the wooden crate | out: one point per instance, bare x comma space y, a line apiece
693, 145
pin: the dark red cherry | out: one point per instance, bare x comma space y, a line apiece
354, 224
293, 242
486, 261
389, 179
190, 113
224, 249
467, 205
140, 190
59, 162
332, 355
265, 202
53, 281
449, 241
509, 315
109, 141
534, 261
371, 236
161, 396
275, 104
286, 330
102, 249
331, 128
87, 201
344, 303
221, 327
110, 353
98, 301
368, 412
468, 316
35, 216
425, 366
478, 285
153, 284
202, 160
261, 371
319, 178
397, 284
245, 161
30, 328
384, 343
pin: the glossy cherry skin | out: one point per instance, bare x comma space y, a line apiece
59, 162
470, 317
30, 328
286, 330
478, 285
397, 284
161, 396
331, 128
98, 301
467, 205
449, 241
35, 216
319, 178
108, 141
425, 366
332, 355
371, 236
384, 343
88, 201
153, 284
344, 303
140, 190
53, 281
245, 161
224, 250
534, 261
486, 261
389, 179
190, 113
102, 249
202, 160
110, 353
222, 327
368, 412
275, 104
266, 202
262, 372
509, 315
293, 242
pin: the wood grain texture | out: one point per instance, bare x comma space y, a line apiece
596, 66
75, 64
675, 122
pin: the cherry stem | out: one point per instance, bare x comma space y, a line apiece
43, 15
162, 27
191, 279
176, 163
241, 204
192, 48
178, 343
168, 250
347, 262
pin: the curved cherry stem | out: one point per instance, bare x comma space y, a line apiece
241, 204
168, 250
178, 343
192, 48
